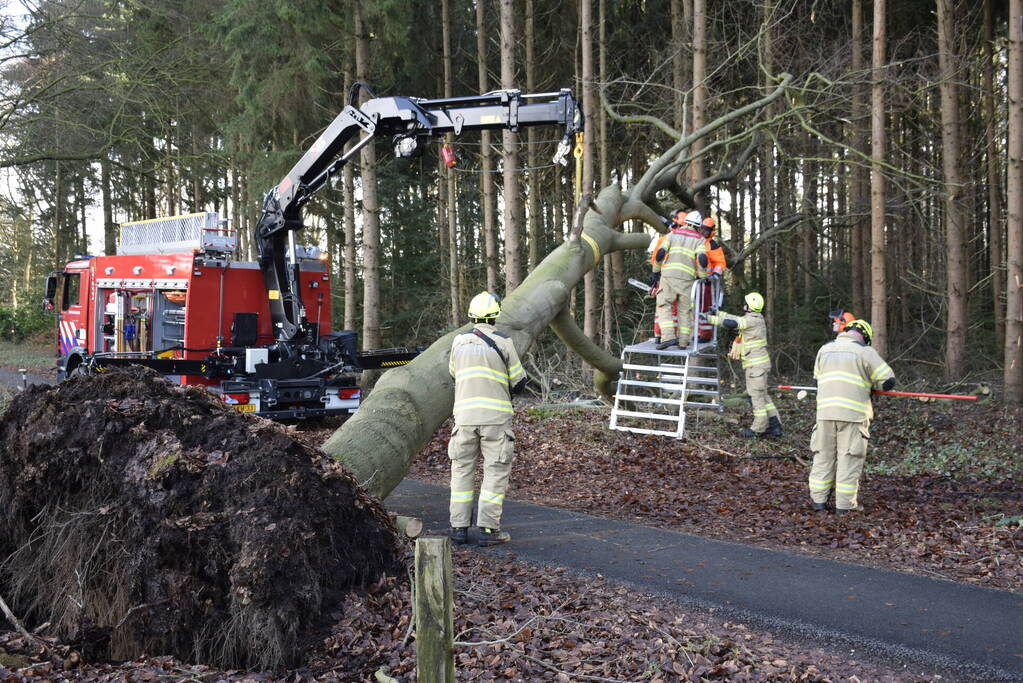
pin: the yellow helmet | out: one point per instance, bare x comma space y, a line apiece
863, 327
755, 301
484, 305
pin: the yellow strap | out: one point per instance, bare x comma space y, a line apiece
578, 154
593, 245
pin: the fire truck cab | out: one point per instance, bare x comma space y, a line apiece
173, 299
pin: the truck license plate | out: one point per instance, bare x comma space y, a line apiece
246, 408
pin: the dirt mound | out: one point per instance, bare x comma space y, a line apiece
144, 517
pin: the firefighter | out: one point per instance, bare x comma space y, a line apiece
675, 270
839, 319
717, 264
487, 371
755, 361
846, 370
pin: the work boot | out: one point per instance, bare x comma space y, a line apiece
820, 507
843, 511
459, 535
773, 427
748, 433
667, 343
492, 537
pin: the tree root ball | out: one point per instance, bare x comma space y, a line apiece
141, 517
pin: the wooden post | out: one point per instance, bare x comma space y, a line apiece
434, 611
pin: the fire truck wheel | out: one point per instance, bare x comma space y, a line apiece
79, 371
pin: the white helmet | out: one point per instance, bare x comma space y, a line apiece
694, 219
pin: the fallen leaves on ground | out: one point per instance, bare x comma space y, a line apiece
515, 621
958, 517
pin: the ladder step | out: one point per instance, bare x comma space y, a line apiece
655, 368
651, 416
697, 392
640, 430
649, 399
691, 404
692, 380
669, 383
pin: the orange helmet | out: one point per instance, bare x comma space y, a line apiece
708, 226
839, 319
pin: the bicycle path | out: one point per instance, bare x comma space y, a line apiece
973, 631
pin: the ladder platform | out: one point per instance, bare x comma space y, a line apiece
650, 346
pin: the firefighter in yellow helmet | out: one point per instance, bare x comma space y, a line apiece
675, 267
847, 370
755, 361
487, 371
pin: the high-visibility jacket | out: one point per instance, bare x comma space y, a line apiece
753, 328
846, 371
716, 261
680, 249
484, 377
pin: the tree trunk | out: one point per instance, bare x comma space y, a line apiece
859, 199
532, 137
109, 227
768, 200
591, 298
512, 255
878, 281
452, 226
696, 169
370, 205
1014, 227
996, 215
955, 241
486, 158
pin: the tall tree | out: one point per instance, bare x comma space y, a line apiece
955, 240
591, 298
486, 158
1014, 194
697, 171
996, 214
370, 203
512, 245
454, 273
860, 200
878, 277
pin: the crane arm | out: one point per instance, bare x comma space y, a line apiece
407, 120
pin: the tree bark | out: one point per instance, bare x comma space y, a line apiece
486, 158
696, 169
955, 241
878, 278
532, 152
370, 205
109, 227
512, 246
1014, 227
454, 290
996, 214
860, 200
591, 295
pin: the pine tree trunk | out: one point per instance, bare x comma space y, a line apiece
512, 246
109, 228
452, 194
370, 205
955, 242
696, 169
878, 284
996, 214
486, 159
859, 200
591, 295
1014, 227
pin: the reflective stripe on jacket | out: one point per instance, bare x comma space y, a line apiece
679, 262
484, 378
754, 337
846, 371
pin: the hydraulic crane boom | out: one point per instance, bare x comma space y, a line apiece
407, 119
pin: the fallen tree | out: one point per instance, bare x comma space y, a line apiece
408, 404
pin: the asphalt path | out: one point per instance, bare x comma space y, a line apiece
972, 631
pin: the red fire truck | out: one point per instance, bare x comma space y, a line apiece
259, 333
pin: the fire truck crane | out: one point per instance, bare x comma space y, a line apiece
172, 299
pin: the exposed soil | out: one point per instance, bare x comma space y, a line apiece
516, 621
143, 517
958, 517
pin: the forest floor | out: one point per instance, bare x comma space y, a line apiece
938, 499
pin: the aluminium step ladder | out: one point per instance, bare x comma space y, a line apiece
657, 387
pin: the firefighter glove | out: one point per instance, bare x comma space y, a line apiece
655, 280
888, 385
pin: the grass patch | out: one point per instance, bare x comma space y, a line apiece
35, 354
949, 460
545, 412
